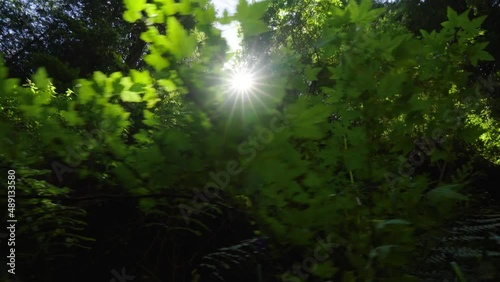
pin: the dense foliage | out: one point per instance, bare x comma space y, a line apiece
355, 159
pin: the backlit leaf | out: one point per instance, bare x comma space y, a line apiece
129, 96
135, 5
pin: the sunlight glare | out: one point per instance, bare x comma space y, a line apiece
242, 82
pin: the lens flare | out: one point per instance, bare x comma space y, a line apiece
244, 91
242, 82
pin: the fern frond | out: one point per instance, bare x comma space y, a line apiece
472, 243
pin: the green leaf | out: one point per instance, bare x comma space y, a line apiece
312, 73
254, 11
476, 23
452, 15
481, 56
205, 17
391, 84
463, 19
150, 97
250, 17
242, 9
151, 10
471, 133
129, 96
313, 180
150, 119
8, 85
180, 44
137, 87
118, 149
309, 115
169, 8
142, 77
167, 84
272, 170
184, 7
309, 132
142, 137
131, 16
115, 76
363, 13
226, 19
253, 27
446, 192
40, 78
31, 110
384, 223
150, 35
126, 82
135, 5
72, 118
125, 176
355, 158
357, 137
156, 60
86, 92
419, 104
324, 270
42, 97
485, 56
381, 251
100, 78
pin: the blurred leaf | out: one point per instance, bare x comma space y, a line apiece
156, 60
142, 137
40, 78
167, 84
382, 224
131, 16
147, 204
312, 73
446, 192
250, 17
142, 77
129, 96
150, 119
86, 92
72, 118
325, 270
135, 5
381, 251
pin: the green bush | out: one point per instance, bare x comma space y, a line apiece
340, 165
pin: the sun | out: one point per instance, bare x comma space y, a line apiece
242, 82
245, 89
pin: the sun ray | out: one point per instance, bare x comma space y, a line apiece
246, 91
242, 83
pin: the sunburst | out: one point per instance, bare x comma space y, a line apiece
242, 83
